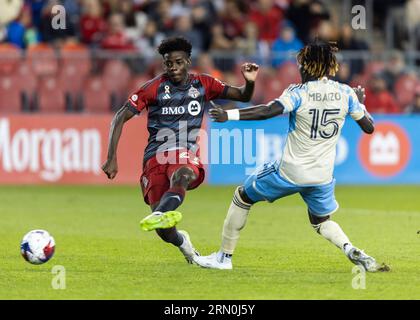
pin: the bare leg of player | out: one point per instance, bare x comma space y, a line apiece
170, 201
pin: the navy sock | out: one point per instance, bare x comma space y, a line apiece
170, 235
171, 199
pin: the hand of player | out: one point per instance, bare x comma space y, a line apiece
217, 114
110, 167
361, 96
360, 93
250, 71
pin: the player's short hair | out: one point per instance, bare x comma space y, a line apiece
175, 44
318, 59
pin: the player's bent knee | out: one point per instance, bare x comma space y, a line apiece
317, 220
183, 175
244, 197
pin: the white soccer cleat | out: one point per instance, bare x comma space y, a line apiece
358, 257
216, 260
187, 248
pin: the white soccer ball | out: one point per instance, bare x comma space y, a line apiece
37, 246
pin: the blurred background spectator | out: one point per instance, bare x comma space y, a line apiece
92, 23
414, 107
306, 16
108, 39
149, 40
205, 64
378, 98
21, 31
394, 69
284, 48
184, 28
249, 45
347, 41
116, 37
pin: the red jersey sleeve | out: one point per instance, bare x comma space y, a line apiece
214, 88
143, 97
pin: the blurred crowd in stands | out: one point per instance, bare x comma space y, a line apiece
108, 49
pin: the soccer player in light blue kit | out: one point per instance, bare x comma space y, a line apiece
317, 109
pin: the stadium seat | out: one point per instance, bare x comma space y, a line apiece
51, 96
42, 59
71, 81
405, 88
27, 83
10, 57
116, 76
96, 96
10, 95
76, 56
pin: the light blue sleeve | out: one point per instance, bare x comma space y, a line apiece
356, 109
291, 99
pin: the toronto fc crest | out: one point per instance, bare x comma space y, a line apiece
193, 92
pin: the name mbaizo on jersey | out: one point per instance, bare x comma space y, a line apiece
329, 96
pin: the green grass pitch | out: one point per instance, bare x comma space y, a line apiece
279, 256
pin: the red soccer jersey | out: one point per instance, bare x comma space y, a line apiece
175, 113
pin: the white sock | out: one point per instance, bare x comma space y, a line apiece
221, 256
331, 231
234, 222
347, 247
184, 244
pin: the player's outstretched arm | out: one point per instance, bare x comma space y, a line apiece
365, 123
110, 167
244, 93
259, 112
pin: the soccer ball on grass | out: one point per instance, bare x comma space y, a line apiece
37, 246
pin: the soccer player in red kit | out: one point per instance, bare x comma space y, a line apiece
175, 103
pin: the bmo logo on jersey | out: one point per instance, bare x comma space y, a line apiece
173, 110
193, 108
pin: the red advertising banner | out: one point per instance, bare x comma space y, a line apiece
67, 149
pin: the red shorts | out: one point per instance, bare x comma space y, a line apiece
158, 170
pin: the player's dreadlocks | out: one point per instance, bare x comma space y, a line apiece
318, 59
175, 44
